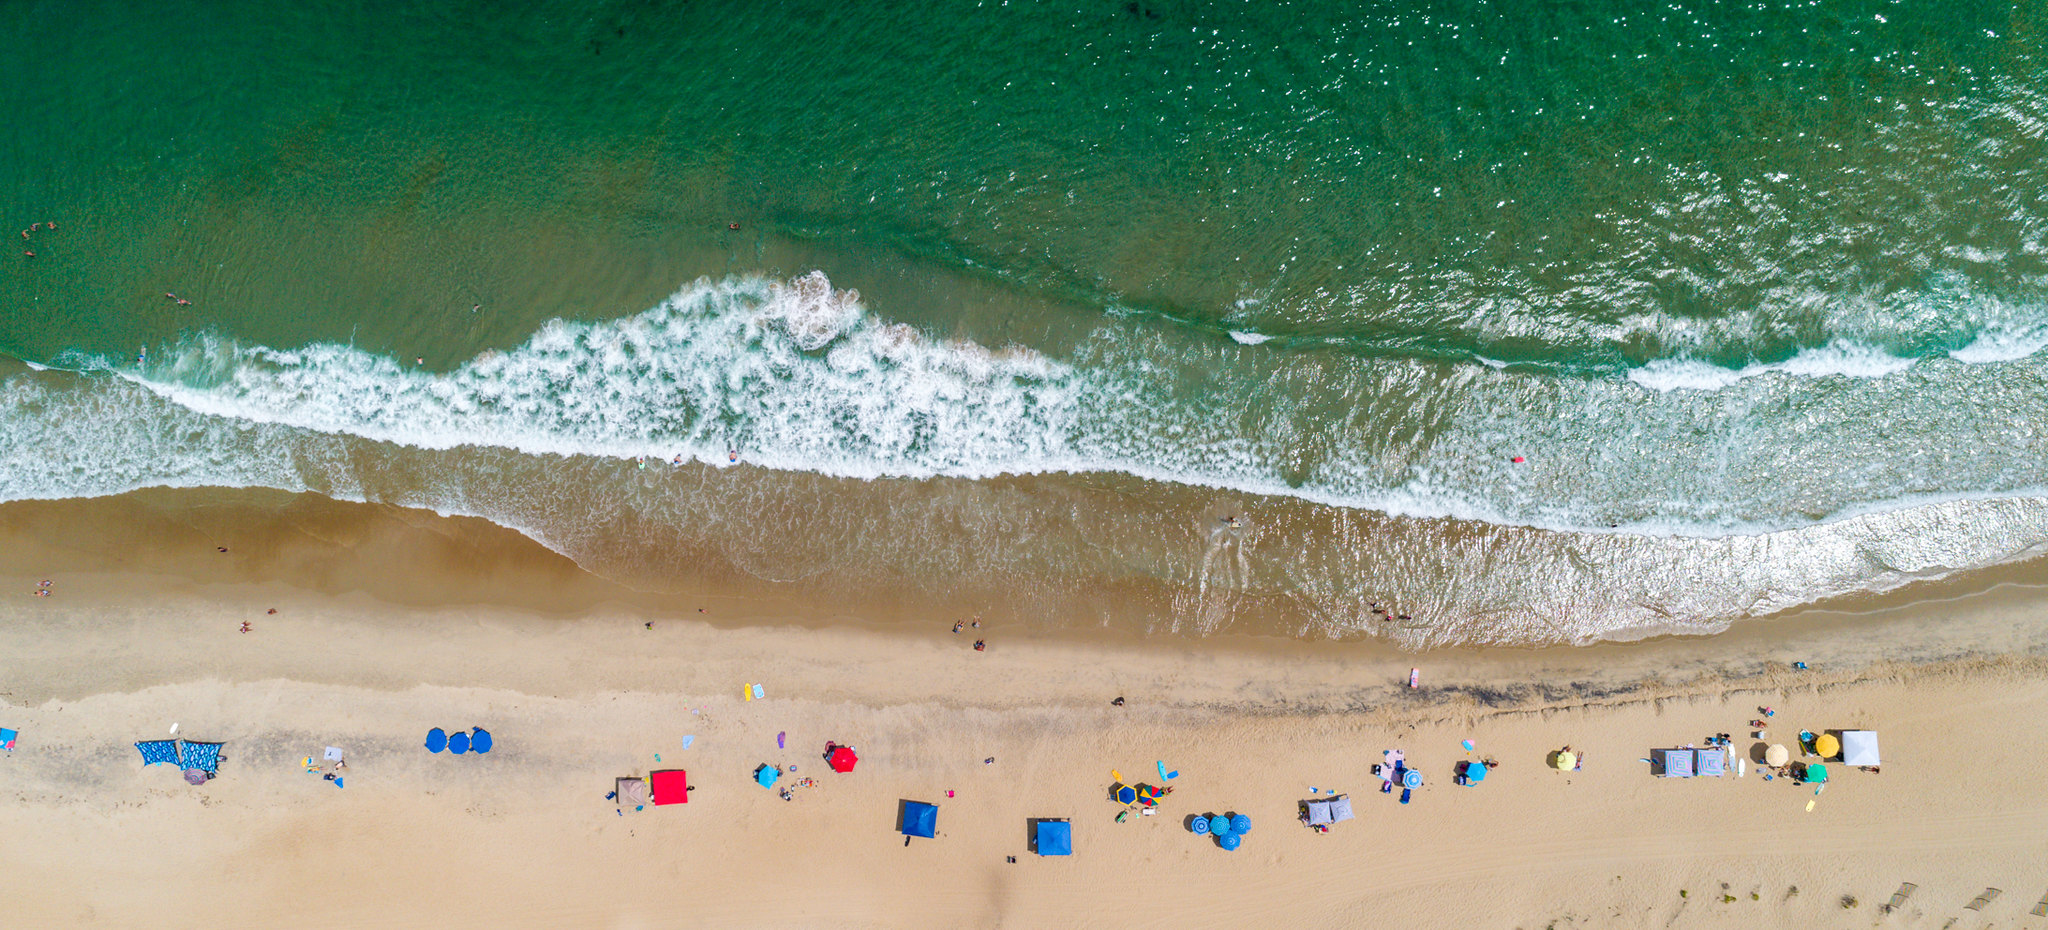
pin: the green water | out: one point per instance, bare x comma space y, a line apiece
371, 171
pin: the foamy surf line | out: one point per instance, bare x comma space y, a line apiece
1840, 359
797, 377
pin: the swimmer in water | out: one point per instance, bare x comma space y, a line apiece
732, 455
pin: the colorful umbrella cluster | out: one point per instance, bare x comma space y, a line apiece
1140, 795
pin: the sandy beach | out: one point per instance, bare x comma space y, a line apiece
577, 696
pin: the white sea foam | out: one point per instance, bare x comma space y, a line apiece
1247, 338
796, 376
2003, 344
1836, 359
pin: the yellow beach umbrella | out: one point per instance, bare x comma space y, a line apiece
1827, 745
1776, 755
1565, 760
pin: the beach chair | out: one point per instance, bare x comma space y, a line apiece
2041, 908
1406, 793
1989, 895
1899, 897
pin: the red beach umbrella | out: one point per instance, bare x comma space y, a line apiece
842, 759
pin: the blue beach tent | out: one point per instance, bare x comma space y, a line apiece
436, 740
1055, 838
158, 750
919, 819
480, 740
202, 756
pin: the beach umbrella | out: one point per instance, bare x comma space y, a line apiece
766, 775
1776, 755
1200, 826
1411, 779
1475, 772
1566, 759
480, 740
458, 742
1826, 745
842, 759
1219, 825
1230, 841
437, 740
1816, 773
1241, 824
1126, 794
195, 776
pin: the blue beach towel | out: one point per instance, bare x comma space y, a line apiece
202, 756
155, 751
437, 740
687, 740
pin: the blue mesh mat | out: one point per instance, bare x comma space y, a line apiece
158, 750
203, 756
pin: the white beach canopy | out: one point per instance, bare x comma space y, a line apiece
1776, 755
1859, 747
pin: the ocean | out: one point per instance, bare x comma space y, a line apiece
1520, 323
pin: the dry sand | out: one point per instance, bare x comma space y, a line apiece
577, 696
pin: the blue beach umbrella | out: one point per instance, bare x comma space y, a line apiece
480, 741
1241, 824
1230, 841
437, 740
1125, 794
1411, 779
458, 742
1200, 826
1476, 772
1219, 825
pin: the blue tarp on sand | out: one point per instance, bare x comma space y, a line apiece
919, 819
158, 750
1055, 838
203, 756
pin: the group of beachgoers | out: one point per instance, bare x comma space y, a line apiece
51, 225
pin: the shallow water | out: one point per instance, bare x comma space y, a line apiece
1025, 299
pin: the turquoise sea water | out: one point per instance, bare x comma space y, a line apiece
1034, 295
